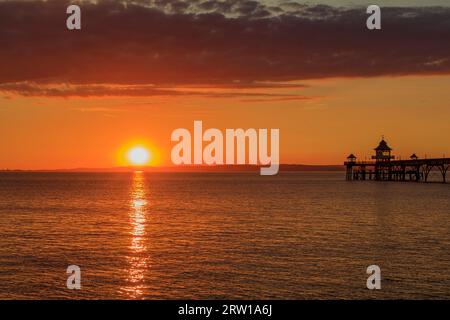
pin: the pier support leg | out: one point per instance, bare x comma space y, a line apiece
443, 169
417, 174
426, 171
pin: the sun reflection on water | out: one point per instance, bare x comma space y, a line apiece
138, 258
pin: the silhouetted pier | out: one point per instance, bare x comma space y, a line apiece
384, 167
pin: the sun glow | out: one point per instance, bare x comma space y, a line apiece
139, 156
138, 153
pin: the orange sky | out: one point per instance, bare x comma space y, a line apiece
138, 70
343, 115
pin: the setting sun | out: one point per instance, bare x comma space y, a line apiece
138, 152
139, 156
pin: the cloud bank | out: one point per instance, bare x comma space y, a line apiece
229, 43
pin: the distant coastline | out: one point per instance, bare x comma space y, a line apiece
191, 168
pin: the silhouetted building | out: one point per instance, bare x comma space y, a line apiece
383, 152
351, 158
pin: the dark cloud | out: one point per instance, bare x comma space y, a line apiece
169, 42
33, 89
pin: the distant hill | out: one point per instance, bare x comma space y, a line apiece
197, 168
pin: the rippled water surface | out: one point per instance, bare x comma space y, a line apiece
217, 235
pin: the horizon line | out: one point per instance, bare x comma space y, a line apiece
184, 168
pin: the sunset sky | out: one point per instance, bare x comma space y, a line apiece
140, 69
